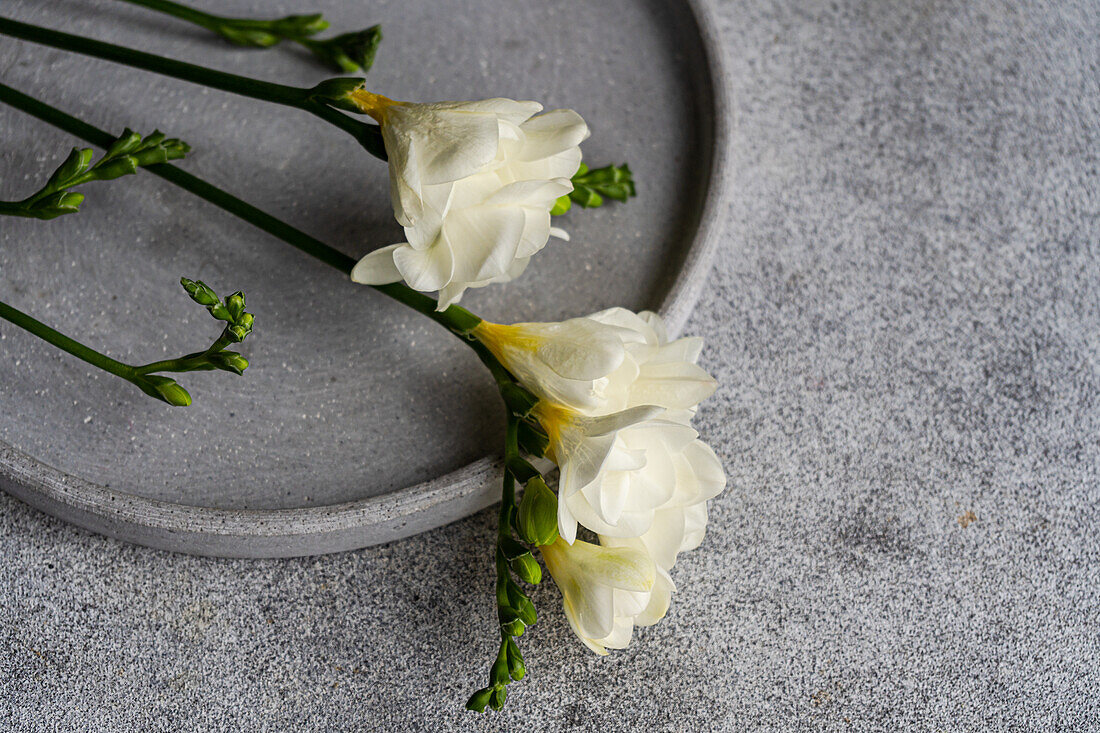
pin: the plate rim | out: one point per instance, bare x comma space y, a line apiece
305, 531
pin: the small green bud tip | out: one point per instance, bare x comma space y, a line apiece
500, 695
479, 700
538, 513
235, 305
230, 361
351, 52
527, 569
199, 291
515, 627
169, 391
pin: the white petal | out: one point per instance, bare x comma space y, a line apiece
582, 462
377, 267
509, 110
605, 424
559, 233
541, 193
695, 526
562, 165
619, 638
449, 295
484, 240
536, 232
659, 600
446, 146
707, 467
427, 269
676, 385
552, 133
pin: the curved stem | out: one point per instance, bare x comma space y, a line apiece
368, 136
66, 344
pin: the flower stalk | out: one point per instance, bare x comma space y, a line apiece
347, 52
315, 100
145, 377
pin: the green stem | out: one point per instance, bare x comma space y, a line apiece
455, 319
14, 208
66, 344
206, 20
368, 136
186, 363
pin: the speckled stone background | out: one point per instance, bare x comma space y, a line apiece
904, 319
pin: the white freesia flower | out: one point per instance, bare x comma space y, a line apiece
676, 469
603, 363
472, 183
605, 590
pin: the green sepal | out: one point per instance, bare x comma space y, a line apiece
500, 696
512, 549
499, 674
199, 291
229, 361
519, 400
532, 439
55, 205
334, 92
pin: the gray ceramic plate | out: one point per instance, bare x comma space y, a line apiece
358, 422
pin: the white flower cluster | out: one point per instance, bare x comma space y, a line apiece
617, 399
472, 183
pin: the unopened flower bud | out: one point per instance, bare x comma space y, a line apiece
527, 568
538, 513
479, 700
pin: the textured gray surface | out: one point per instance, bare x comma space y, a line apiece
904, 319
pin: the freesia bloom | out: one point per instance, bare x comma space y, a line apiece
602, 363
472, 184
605, 590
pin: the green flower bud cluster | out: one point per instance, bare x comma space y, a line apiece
238, 321
592, 186
238, 325
124, 156
348, 52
